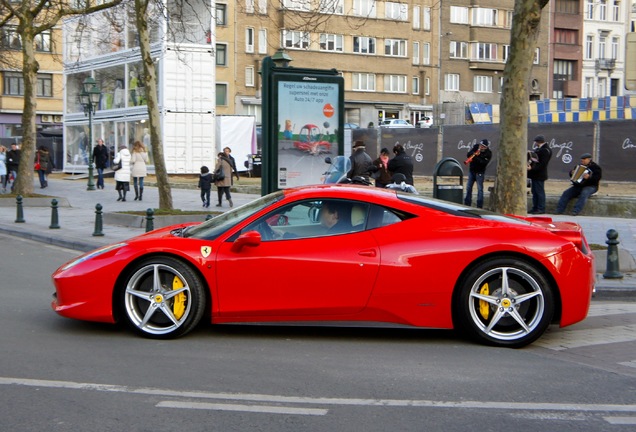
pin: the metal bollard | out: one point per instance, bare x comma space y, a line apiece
613, 267
98, 221
19, 211
55, 223
150, 225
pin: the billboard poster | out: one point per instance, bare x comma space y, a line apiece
309, 120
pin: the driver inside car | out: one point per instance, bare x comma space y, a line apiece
336, 217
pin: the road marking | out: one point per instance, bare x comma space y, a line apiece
245, 408
265, 398
566, 339
621, 420
600, 309
629, 363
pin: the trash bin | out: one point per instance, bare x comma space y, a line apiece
448, 181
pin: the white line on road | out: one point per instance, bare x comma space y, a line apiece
621, 420
245, 408
566, 339
263, 398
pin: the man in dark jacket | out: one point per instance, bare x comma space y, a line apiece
100, 159
361, 163
538, 173
402, 163
478, 157
13, 162
583, 187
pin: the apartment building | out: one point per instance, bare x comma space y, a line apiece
49, 91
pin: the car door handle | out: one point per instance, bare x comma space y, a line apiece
368, 252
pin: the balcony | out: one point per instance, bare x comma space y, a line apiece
605, 64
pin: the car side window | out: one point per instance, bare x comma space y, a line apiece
382, 216
315, 218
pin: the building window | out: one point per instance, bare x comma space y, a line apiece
10, 38
416, 53
14, 84
602, 41
262, 6
249, 76
331, 42
415, 84
221, 55
301, 5
566, 36
43, 41
567, 6
426, 24
536, 59
221, 94
508, 19
616, 10
249, 40
416, 17
331, 6
589, 9
395, 47
563, 71
458, 49
602, 87
484, 17
501, 84
459, 15
363, 45
364, 8
451, 82
427, 86
426, 54
395, 83
484, 51
482, 84
396, 11
221, 14
602, 10
363, 82
505, 53
589, 47
262, 41
615, 44
249, 6
295, 39
589, 88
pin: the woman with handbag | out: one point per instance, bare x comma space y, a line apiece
122, 175
223, 178
42, 160
139, 160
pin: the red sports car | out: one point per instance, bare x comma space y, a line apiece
336, 253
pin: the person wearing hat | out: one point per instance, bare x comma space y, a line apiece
402, 163
538, 174
479, 157
583, 188
361, 162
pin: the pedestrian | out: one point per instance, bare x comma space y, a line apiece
13, 162
205, 184
3, 168
100, 159
122, 175
382, 175
479, 157
42, 162
223, 178
585, 180
228, 154
538, 174
138, 160
402, 163
361, 162
398, 182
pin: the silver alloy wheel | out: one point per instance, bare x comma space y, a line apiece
153, 304
516, 307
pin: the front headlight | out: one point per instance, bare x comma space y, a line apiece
91, 255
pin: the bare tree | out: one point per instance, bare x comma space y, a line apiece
32, 18
510, 185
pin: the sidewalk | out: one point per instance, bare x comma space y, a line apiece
76, 218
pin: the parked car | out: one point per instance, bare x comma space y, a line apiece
396, 123
351, 126
425, 122
392, 258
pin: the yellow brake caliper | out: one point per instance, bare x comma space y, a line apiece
178, 307
484, 308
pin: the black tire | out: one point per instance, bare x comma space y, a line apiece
162, 298
512, 315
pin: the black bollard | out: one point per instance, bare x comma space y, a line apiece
55, 223
150, 225
98, 221
19, 218
612, 270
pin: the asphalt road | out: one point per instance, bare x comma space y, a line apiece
62, 375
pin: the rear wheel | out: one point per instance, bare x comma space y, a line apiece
163, 298
505, 302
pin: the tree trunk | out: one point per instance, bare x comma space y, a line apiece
510, 194
154, 117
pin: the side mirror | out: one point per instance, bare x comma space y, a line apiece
250, 239
328, 160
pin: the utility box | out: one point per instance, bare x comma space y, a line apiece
448, 181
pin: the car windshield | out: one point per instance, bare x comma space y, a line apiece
211, 229
459, 209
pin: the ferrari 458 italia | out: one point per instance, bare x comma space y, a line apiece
334, 254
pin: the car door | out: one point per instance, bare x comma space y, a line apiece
303, 271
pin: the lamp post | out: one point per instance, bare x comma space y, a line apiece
89, 98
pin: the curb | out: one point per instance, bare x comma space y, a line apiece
56, 241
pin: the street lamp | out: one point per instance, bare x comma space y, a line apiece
281, 58
89, 98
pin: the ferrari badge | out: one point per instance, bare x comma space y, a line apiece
205, 251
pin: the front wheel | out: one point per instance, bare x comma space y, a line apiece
163, 298
505, 302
